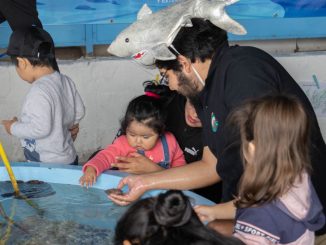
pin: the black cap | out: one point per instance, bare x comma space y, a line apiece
26, 42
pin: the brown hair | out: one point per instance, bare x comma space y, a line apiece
278, 127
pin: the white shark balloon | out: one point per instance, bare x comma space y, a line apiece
149, 37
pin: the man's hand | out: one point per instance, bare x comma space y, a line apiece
136, 188
7, 124
74, 130
136, 164
89, 177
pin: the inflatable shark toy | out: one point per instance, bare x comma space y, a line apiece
149, 37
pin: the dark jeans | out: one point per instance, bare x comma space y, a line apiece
75, 162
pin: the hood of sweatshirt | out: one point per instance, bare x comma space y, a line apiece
301, 203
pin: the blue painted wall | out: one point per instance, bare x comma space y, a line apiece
91, 22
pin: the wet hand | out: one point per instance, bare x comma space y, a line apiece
89, 177
136, 164
136, 189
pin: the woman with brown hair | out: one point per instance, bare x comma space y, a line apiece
276, 202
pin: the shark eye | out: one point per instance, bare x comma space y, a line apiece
127, 40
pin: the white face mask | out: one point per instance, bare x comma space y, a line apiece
193, 68
198, 76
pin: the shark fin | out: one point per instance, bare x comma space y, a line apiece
228, 24
162, 52
229, 2
144, 11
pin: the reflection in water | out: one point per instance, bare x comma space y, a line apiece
73, 215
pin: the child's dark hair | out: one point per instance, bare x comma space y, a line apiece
46, 59
166, 95
168, 219
147, 110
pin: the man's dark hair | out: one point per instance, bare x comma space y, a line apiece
197, 42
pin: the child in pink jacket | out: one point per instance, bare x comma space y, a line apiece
143, 135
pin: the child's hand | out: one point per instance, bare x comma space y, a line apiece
74, 130
89, 177
7, 124
136, 164
205, 213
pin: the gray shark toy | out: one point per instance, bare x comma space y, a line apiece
149, 37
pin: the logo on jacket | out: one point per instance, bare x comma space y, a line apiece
214, 122
192, 151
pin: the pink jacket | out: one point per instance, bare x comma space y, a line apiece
120, 147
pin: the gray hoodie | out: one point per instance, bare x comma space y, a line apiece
51, 107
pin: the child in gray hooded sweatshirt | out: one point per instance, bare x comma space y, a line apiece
53, 105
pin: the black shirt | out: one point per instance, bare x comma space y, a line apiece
19, 13
189, 138
235, 75
190, 141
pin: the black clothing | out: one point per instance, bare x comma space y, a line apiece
235, 75
190, 141
19, 13
189, 138
27, 42
22, 14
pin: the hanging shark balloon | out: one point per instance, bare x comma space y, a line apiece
149, 37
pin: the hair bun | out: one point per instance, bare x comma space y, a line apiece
172, 208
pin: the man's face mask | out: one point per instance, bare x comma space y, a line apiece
192, 67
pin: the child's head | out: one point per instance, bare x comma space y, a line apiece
275, 139
163, 91
31, 46
144, 122
168, 219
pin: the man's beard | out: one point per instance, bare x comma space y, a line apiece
188, 88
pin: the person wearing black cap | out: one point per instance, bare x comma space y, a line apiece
19, 13
51, 107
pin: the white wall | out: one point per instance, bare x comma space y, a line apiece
106, 86
302, 67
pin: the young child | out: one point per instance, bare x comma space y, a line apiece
276, 203
142, 135
167, 219
52, 106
